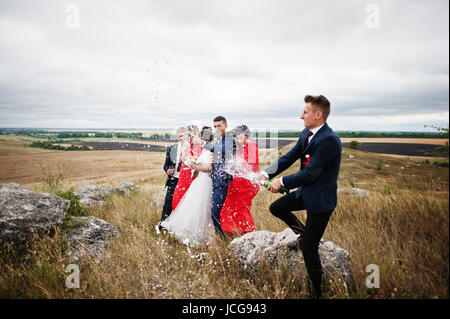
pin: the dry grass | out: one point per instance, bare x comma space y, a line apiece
22, 164
402, 227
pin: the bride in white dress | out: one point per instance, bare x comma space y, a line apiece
191, 221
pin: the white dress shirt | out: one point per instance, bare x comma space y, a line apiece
314, 131
175, 173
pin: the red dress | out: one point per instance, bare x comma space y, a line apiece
185, 178
235, 216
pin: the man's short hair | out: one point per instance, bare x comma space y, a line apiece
321, 102
220, 118
207, 133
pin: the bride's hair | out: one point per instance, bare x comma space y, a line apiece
193, 130
242, 129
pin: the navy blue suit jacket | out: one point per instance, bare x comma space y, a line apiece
224, 150
317, 183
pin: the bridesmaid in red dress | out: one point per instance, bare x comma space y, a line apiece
235, 216
186, 177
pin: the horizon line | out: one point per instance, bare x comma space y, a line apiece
168, 128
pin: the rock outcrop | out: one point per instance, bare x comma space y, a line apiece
256, 247
158, 198
89, 237
25, 214
126, 188
94, 195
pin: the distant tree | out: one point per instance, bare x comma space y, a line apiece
353, 145
441, 150
155, 137
443, 130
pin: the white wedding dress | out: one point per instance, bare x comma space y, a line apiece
191, 221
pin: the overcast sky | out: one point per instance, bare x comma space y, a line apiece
151, 64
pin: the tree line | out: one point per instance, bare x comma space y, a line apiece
441, 133
51, 146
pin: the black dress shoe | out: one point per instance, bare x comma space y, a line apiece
159, 228
294, 244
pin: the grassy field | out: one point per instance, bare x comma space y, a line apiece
402, 227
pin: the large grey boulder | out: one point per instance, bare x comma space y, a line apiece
256, 247
127, 188
88, 237
94, 195
25, 214
158, 198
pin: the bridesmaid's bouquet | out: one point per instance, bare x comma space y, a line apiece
192, 160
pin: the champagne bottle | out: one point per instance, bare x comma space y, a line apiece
282, 190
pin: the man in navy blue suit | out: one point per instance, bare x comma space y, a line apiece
172, 166
224, 150
319, 150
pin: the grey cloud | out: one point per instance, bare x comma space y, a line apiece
161, 63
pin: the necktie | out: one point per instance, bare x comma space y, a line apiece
305, 143
223, 149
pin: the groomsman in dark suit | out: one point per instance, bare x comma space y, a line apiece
172, 167
224, 150
316, 183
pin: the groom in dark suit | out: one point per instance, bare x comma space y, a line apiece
224, 150
316, 181
172, 167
